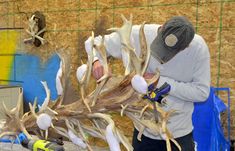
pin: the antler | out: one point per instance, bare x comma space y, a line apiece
13, 119
80, 118
84, 73
113, 136
145, 51
45, 115
124, 33
65, 64
48, 96
34, 30
18, 109
101, 53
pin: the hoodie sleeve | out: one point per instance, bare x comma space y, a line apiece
112, 43
199, 88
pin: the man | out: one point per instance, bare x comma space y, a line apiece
184, 62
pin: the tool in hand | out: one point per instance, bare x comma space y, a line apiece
156, 95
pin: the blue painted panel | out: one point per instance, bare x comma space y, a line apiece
31, 71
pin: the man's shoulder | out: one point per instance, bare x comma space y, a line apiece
199, 41
150, 31
200, 46
146, 27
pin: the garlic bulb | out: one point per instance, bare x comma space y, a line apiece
139, 84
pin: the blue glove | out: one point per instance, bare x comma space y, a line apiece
157, 94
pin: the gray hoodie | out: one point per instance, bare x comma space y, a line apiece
188, 73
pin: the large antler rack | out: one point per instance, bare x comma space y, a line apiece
71, 121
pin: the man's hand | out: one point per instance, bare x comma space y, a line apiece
157, 94
148, 75
97, 70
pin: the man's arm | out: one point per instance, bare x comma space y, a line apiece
113, 48
112, 44
196, 91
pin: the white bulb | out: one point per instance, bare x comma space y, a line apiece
76, 140
44, 121
112, 139
139, 84
81, 72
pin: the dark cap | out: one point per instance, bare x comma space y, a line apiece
175, 35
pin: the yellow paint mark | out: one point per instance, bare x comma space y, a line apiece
8, 43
